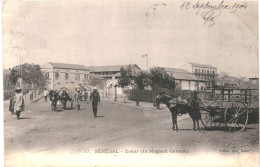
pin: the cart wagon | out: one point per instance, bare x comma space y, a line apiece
228, 106
65, 95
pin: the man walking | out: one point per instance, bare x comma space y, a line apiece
45, 94
95, 98
18, 102
77, 99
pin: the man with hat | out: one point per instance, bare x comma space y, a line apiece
77, 98
18, 102
95, 98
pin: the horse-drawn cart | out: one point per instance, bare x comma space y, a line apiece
214, 107
228, 106
65, 95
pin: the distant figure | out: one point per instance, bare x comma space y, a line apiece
18, 102
45, 94
11, 105
86, 95
31, 94
95, 98
77, 98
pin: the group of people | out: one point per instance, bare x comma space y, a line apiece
94, 98
17, 101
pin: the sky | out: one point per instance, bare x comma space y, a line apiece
120, 32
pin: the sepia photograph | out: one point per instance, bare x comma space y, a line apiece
130, 83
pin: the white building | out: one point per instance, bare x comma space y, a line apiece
186, 80
60, 75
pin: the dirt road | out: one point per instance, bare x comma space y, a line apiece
46, 138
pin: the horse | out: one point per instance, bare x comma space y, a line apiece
54, 97
179, 106
64, 98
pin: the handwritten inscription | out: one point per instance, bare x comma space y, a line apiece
210, 11
153, 8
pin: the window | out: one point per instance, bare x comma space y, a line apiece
57, 75
77, 77
67, 76
85, 77
196, 70
47, 75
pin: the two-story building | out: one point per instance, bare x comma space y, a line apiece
205, 72
60, 75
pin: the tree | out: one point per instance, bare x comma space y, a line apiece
31, 74
126, 77
159, 77
13, 76
129, 78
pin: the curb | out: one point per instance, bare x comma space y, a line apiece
133, 107
122, 104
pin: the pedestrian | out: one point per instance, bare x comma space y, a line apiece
31, 94
11, 105
95, 98
77, 98
18, 102
45, 94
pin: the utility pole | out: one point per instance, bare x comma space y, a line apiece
146, 55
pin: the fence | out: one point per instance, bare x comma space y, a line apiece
248, 96
150, 95
8, 93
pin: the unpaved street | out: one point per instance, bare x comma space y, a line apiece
41, 136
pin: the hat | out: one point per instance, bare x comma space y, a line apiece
95, 88
18, 88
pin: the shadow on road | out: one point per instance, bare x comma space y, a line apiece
24, 118
100, 116
224, 129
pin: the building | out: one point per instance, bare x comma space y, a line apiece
60, 75
205, 72
254, 83
186, 80
112, 74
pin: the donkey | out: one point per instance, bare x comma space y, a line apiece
179, 107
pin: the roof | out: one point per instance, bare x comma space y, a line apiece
109, 68
202, 65
116, 75
175, 70
184, 76
181, 74
68, 66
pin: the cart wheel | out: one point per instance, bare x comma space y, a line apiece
236, 116
211, 118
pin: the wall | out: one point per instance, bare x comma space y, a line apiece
71, 82
188, 85
110, 85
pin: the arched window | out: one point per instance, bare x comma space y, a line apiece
47, 75
57, 75
67, 76
77, 77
